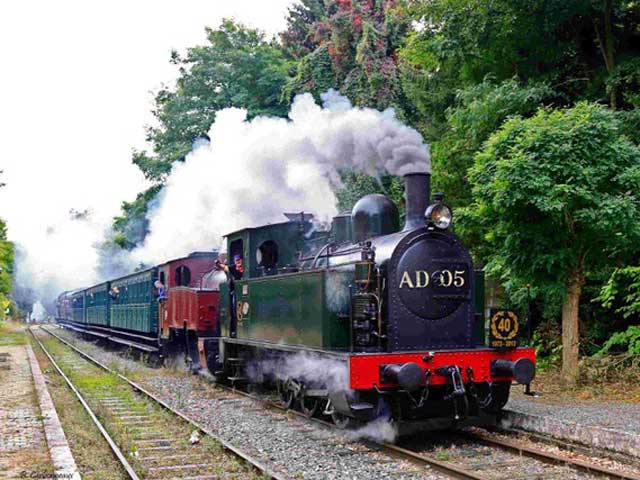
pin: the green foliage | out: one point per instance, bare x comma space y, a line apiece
557, 42
478, 112
626, 78
130, 228
238, 67
546, 339
630, 124
557, 197
313, 73
623, 288
628, 341
6, 268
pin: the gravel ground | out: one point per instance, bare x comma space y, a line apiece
616, 415
300, 449
288, 444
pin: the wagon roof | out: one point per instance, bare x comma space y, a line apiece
208, 253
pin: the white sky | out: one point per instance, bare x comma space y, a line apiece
75, 93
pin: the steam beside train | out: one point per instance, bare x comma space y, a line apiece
365, 320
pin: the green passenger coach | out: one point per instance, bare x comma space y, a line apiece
97, 304
134, 306
77, 306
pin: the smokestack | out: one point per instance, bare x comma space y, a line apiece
416, 194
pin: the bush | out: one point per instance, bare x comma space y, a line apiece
625, 280
628, 340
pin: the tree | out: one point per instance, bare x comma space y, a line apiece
557, 195
6, 264
349, 45
6, 261
478, 111
573, 45
300, 38
131, 227
237, 68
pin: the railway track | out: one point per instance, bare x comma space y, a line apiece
447, 468
141, 429
513, 454
511, 447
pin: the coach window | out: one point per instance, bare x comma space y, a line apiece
183, 276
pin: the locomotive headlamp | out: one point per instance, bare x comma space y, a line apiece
438, 214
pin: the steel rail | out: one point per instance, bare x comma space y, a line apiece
447, 468
257, 464
114, 448
548, 457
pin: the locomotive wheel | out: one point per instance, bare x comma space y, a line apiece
496, 396
155, 360
342, 421
287, 396
309, 405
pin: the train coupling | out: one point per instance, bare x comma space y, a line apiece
454, 378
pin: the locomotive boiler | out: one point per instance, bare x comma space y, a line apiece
366, 319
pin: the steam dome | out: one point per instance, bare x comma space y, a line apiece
374, 215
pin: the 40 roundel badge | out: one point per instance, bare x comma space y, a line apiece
504, 328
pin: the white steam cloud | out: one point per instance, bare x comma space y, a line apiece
61, 254
38, 313
379, 430
253, 171
311, 369
249, 174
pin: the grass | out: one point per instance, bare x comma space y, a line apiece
443, 456
12, 333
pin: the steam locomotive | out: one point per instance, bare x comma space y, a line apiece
360, 321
